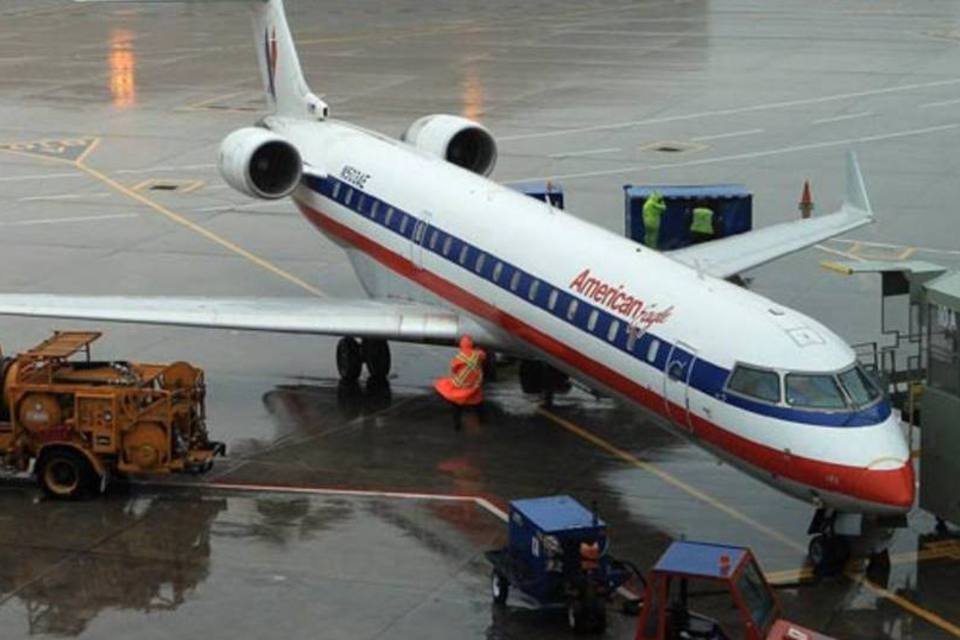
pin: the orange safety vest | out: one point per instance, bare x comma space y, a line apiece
465, 384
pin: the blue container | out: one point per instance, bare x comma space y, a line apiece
544, 542
732, 205
541, 190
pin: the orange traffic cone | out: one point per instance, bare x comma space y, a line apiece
806, 202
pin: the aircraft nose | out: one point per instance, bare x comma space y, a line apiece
893, 488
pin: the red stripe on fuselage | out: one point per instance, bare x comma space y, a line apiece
879, 487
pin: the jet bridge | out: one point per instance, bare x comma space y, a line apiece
920, 364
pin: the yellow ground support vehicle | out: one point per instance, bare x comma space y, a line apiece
81, 422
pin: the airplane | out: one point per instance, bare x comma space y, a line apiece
442, 251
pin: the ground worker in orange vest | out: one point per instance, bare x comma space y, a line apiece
464, 387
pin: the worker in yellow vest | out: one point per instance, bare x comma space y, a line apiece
702, 225
653, 210
464, 386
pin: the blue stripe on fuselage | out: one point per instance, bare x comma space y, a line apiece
705, 376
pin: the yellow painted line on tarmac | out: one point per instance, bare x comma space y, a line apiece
907, 605
631, 459
55, 150
858, 578
203, 231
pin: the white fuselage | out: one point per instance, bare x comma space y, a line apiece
601, 308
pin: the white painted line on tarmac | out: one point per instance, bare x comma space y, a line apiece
735, 110
480, 501
732, 134
42, 176
585, 152
942, 103
65, 196
186, 167
27, 223
744, 156
849, 116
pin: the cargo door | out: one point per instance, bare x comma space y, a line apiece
676, 384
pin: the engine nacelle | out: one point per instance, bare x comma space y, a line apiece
463, 142
260, 163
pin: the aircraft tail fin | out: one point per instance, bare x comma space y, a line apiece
286, 89
856, 195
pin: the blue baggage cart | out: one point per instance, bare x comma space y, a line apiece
732, 206
544, 559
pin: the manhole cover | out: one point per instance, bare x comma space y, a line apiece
169, 185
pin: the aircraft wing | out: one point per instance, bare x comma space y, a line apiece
729, 256
359, 318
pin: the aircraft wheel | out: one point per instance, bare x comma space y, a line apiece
531, 376
349, 359
827, 554
376, 355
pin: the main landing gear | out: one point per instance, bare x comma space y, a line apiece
352, 355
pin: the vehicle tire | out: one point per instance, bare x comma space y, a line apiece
499, 588
579, 617
349, 359
66, 474
376, 355
828, 554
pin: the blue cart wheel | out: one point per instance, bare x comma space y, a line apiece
499, 588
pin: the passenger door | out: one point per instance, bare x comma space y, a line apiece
676, 384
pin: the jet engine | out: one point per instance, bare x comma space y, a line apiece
260, 163
463, 142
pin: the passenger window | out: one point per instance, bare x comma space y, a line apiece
572, 310
631, 337
592, 321
534, 287
497, 270
433, 239
814, 391
479, 266
612, 331
336, 190
404, 221
374, 209
446, 245
360, 202
652, 350
389, 217
348, 197
760, 384
858, 385
552, 300
515, 281
463, 254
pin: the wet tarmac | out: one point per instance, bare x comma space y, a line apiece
101, 102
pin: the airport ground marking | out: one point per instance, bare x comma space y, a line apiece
74, 151
750, 155
856, 577
200, 230
734, 110
669, 478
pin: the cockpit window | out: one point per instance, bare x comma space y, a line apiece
817, 391
755, 383
858, 385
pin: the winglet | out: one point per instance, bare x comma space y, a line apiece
856, 196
